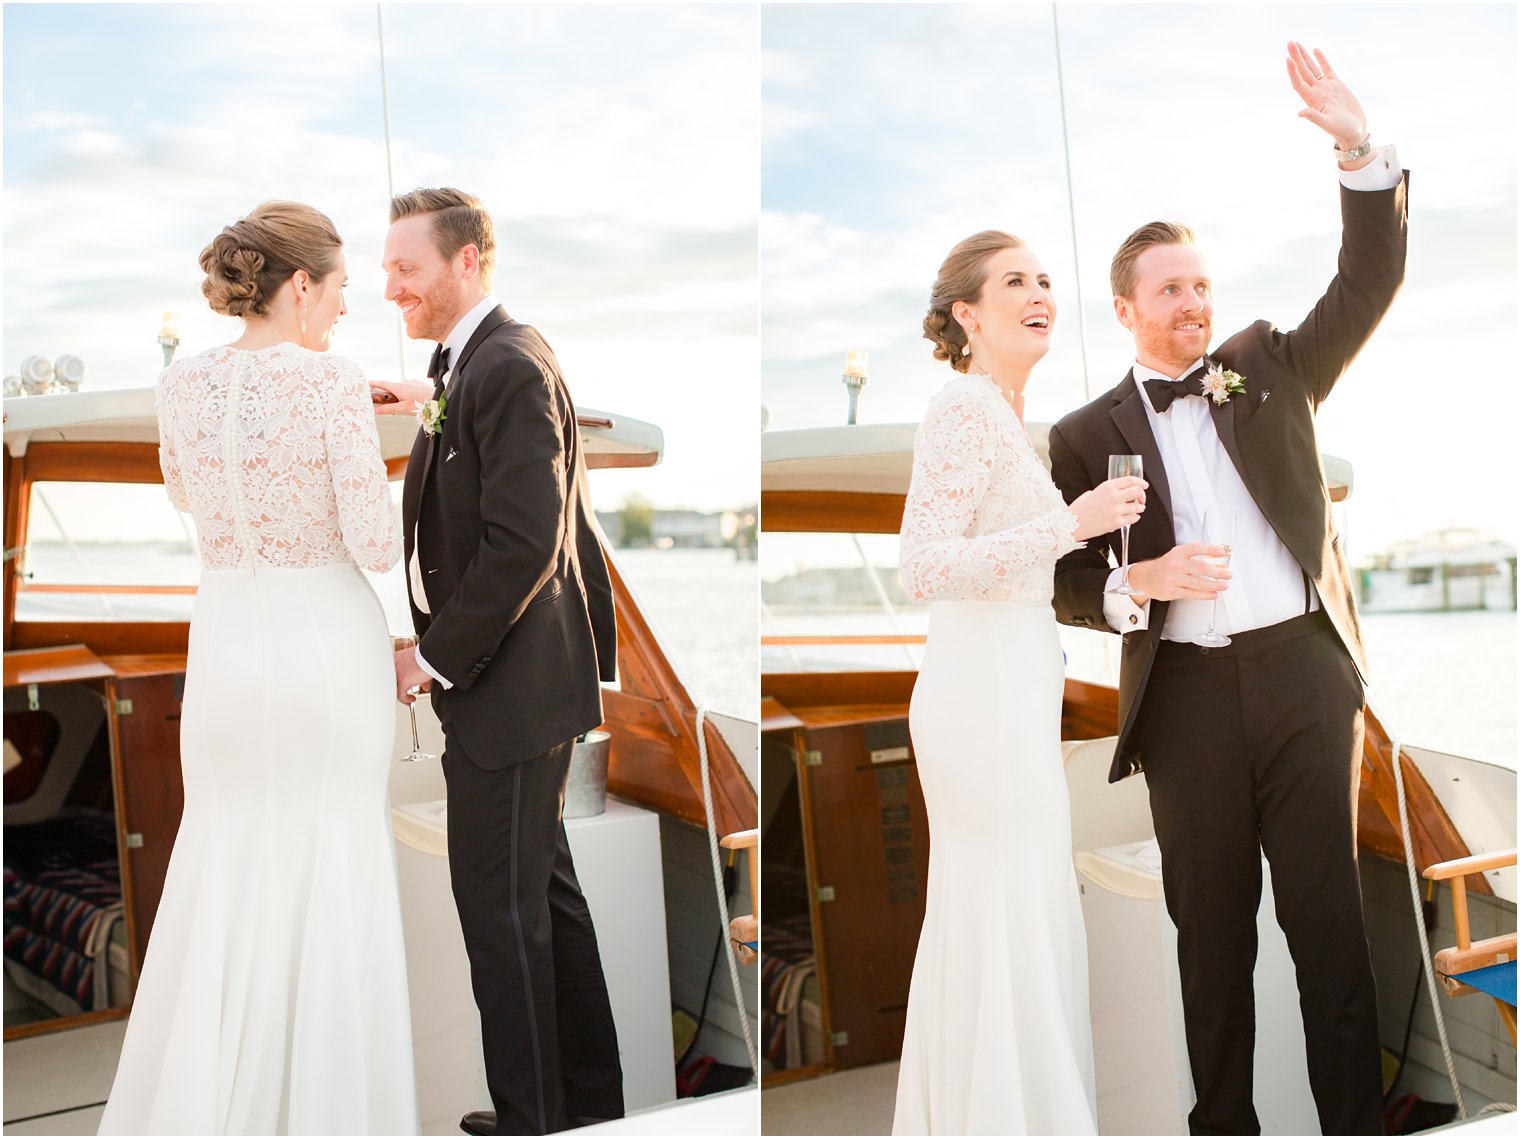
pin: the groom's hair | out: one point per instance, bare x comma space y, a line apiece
459, 219
1121, 274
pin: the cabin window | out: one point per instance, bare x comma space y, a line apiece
835, 603
106, 552
1421, 575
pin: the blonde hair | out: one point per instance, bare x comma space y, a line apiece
459, 219
1121, 273
961, 277
247, 262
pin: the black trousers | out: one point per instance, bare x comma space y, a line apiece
546, 1024
1250, 749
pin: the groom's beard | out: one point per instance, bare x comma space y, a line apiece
1161, 341
439, 309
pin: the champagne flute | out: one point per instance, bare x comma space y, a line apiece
416, 755
1119, 467
1210, 639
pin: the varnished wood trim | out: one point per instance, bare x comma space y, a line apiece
623, 459
17, 507
830, 512
93, 462
105, 637
60, 1023
793, 1075
1432, 834
655, 760
798, 690
815, 917
61, 664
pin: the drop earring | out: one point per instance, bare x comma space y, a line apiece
966, 351
302, 307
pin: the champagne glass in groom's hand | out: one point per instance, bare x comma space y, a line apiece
1120, 467
409, 641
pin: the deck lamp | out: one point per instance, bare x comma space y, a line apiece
36, 375
854, 378
68, 373
168, 336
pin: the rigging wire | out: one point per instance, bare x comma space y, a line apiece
1071, 205
390, 174
717, 869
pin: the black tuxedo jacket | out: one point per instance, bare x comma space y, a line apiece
1269, 434
521, 606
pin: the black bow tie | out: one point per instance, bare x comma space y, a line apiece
1162, 392
438, 365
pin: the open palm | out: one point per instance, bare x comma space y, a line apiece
1328, 103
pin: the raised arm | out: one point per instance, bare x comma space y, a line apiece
1374, 237
367, 517
952, 468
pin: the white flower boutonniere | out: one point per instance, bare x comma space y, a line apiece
432, 414
1219, 384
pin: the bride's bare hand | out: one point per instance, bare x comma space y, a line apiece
409, 395
1109, 505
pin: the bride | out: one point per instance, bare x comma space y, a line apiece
997, 1039
273, 996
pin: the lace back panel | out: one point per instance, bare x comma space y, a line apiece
276, 456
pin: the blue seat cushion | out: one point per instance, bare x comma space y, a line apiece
1495, 980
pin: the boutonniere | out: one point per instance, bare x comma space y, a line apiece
432, 414
1219, 384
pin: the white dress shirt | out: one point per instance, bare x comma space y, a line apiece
1268, 585
454, 344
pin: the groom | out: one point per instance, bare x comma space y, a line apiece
513, 609
1254, 747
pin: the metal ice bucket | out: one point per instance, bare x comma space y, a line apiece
586, 789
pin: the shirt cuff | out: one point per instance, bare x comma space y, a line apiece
1121, 612
431, 671
1382, 173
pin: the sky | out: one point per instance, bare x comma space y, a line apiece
621, 167
890, 132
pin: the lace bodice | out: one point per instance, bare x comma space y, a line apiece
982, 520
275, 454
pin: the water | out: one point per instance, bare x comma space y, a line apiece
703, 608
701, 604
1444, 681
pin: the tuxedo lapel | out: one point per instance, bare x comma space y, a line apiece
494, 320
1129, 416
1226, 415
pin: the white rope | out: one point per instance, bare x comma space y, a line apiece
717, 866
1419, 925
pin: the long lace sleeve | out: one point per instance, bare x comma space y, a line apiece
366, 516
168, 453
954, 459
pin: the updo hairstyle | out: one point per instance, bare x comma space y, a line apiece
250, 259
960, 279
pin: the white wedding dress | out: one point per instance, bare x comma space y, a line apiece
998, 1040
273, 997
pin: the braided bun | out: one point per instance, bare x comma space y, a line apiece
961, 277
247, 262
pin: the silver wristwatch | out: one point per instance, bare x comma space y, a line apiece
1360, 150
